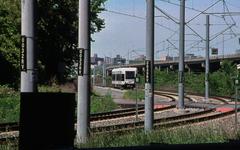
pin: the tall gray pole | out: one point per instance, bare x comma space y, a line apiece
83, 108
29, 74
181, 56
207, 60
149, 67
104, 75
94, 76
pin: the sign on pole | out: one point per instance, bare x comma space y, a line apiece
80, 61
23, 53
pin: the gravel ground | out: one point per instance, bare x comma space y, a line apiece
226, 124
157, 115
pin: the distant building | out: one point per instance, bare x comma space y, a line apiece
95, 60
190, 56
140, 58
119, 60
166, 58
238, 51
108, 60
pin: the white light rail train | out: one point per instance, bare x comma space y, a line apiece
124, 77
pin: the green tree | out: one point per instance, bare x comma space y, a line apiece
9, 41
57, 28
57, 32
221, 82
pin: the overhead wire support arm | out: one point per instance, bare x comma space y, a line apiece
216, 35
229, 11
195, 32
190, 8
229, 25
168, 16
172, 44
203, 11
174, 20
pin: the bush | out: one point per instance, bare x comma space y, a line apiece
131, 94
102, 103
9, 105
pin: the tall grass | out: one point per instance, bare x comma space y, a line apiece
102, 103
132, 94
192, 135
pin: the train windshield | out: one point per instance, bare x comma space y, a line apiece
130, 74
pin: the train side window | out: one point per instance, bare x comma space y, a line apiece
122, 77
113, 77
118, 77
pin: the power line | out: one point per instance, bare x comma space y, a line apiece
138, 17
204, 11
190, 8
174, 20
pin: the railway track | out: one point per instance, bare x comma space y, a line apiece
5, 127
13, 126
122, 113
223, 99
172, 94
205, 115
140, 124
168, 122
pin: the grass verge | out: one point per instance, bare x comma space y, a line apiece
192, 135
102, 103
132, 95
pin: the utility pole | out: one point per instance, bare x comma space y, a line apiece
94, 76
83, 106
181, 56
28, 56
149, 67
207, 60
104, 75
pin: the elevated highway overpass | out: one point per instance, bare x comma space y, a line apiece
191, 65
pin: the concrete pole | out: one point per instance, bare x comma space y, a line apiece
149, 80
84, 82
104, 75
207, 60
181, 56
94, 76
29, 75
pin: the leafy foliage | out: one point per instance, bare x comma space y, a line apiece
57, 28
9, 105
102, 104
221, 82
9, 40
58, 35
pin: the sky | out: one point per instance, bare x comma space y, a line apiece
124, 34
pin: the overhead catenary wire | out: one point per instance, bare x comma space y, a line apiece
203, 11
195, 32
138, 17
190, 8
177, 22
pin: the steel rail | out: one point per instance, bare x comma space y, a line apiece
139, 124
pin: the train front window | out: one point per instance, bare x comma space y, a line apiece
130, 74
